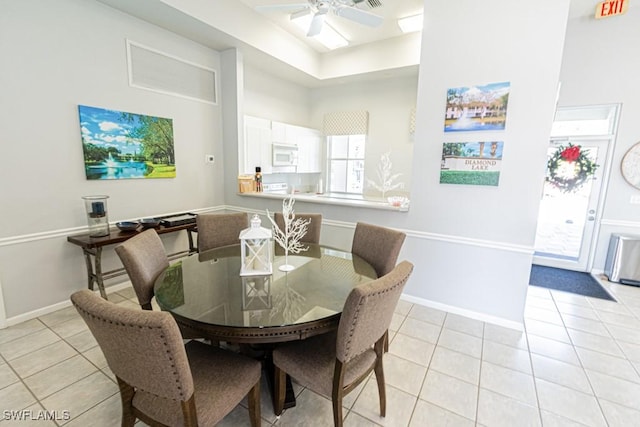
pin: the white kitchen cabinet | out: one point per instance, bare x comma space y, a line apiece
257, 145
309, 143
279, 132
259, 136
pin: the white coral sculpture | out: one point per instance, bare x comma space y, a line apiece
385, 176
294, 229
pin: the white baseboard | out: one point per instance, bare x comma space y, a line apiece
463, 312
55, 307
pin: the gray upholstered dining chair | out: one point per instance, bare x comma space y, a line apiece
144, 258
217, 230
334, 364
313, 229
380, 247
162, 381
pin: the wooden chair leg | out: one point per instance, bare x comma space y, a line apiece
254, 405
337, 412
337, 393
386, 341
280, 388
126, 397
189, 412
379, 371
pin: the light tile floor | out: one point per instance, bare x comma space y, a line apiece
577, 364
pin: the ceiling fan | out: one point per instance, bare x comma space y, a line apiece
320, 8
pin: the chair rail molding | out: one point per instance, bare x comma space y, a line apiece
64, 232
424, 235
414, 234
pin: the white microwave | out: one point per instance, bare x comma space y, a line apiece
284, 154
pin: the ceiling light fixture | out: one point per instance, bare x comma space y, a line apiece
411, 23
329, 37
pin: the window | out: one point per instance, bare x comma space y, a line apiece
584, 121
346, 163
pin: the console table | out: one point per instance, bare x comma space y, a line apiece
92, 250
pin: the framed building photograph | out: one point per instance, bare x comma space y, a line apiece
471, 163
120, 145
477, 108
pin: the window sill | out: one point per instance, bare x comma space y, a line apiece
328, 199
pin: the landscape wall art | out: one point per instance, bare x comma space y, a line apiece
477, 108
471, 163
120, 145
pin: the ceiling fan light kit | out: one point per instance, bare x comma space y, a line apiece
326, 35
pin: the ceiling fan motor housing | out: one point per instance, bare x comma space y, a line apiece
371, 3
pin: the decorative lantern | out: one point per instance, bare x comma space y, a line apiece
255, 247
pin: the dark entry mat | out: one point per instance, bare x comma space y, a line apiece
568, 281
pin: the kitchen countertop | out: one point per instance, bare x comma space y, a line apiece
329, 199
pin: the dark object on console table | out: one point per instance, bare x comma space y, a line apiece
181, 219
92, 247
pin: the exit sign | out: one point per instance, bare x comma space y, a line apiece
611, 8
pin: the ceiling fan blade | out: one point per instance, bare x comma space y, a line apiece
279, 7
316, 24
359, 16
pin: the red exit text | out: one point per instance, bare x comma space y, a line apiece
611, 8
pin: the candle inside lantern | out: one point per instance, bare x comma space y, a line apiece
97, 208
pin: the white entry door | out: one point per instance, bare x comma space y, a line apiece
567, 219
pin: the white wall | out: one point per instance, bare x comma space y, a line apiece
600, 67
56, 56
389, 102
274, 98
472, 246
240, 22
397, 52
483, 260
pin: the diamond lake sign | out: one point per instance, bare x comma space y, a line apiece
609, 8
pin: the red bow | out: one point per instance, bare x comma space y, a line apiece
570, 154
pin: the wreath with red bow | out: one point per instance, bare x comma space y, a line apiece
569, 168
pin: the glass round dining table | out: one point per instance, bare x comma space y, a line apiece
208, 298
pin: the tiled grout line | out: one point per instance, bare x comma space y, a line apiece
21, 379
584, 369
98, 369
78, 352
413, 410
424, 380
621, 299
580, 361
479, 374
564, 325
535, 384
429, 364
